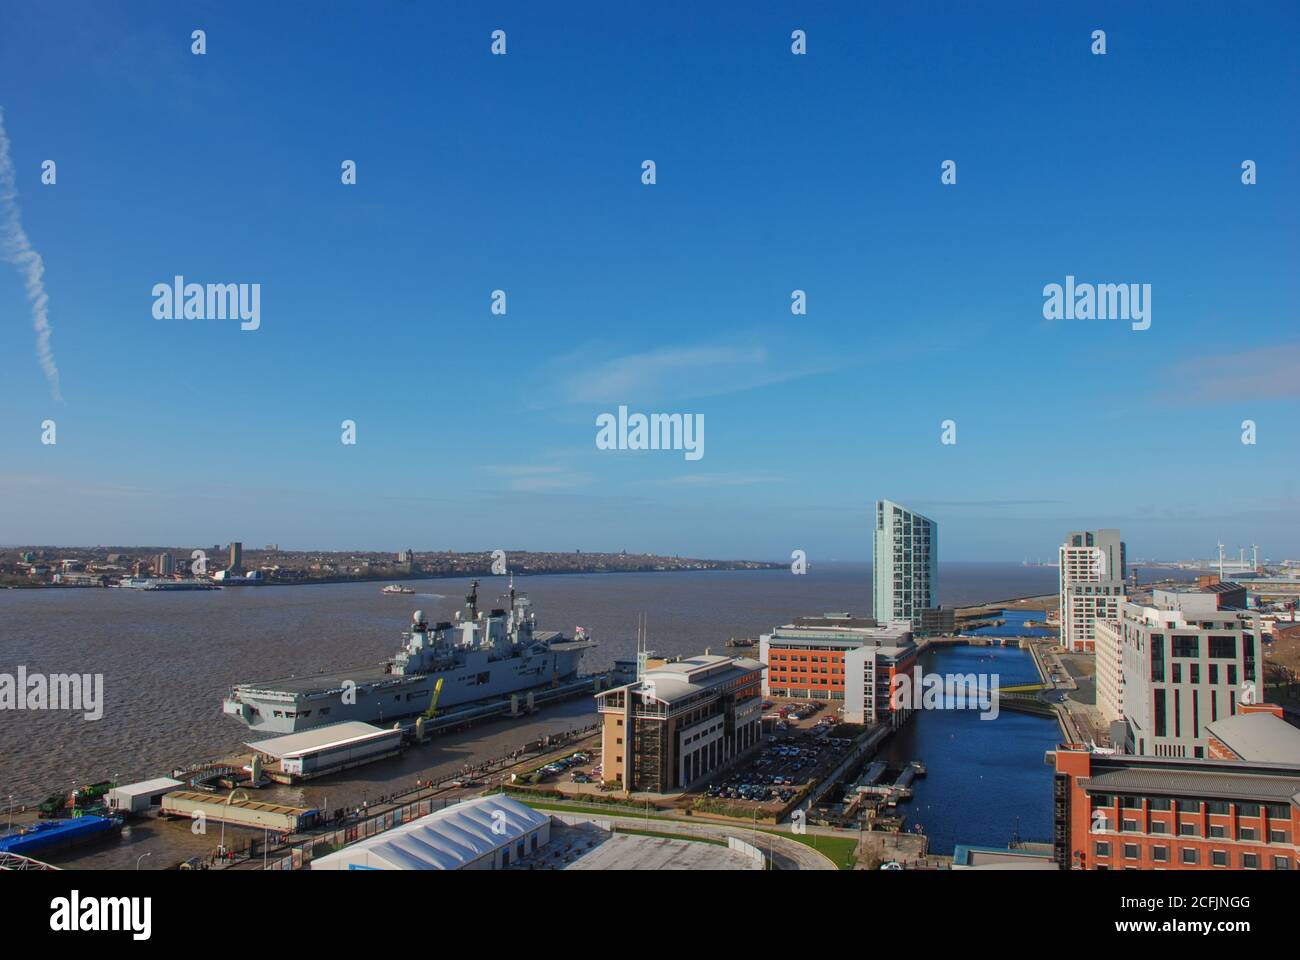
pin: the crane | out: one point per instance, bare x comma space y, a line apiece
433, 701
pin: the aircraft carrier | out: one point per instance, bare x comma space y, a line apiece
480, 656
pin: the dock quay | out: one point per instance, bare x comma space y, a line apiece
321, 751
238, 812
516, 705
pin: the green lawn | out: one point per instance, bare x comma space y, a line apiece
594, 809
839, 850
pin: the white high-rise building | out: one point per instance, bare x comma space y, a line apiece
1093, 567
904, 565
1109, 636
1183, 669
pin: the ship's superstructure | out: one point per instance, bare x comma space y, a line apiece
480, 656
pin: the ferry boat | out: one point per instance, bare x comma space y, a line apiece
480, 656
396, 589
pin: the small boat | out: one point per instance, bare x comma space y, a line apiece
57, 833
396, 589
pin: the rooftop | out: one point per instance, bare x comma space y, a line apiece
1267, 782
318, 738
445, 840
679, 679
1258, 736
842, 629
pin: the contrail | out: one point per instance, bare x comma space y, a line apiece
18, 251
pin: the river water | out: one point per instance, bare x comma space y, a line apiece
986, 779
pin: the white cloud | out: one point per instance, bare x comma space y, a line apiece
1259, 374
18, 251
529, 478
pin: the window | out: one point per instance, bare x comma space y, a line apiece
1101, 848
1188, 830
1190, 856
1219, 858
1160, 854
1249, 861
1130, 851
1277, 836
1247, 833
1281, 863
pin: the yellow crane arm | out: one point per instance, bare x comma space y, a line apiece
433, 701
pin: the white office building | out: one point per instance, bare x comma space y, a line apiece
1093, 567
1110, 670
1183, 671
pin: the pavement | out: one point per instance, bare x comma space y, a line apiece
624, 851
786, 854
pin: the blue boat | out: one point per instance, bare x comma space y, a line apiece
57, 833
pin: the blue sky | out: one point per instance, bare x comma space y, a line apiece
775, 172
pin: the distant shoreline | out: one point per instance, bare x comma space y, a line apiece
402, 578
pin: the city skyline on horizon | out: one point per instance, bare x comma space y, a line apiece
1232, 552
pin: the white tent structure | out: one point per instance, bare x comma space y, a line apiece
485, 833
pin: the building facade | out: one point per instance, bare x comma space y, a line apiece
1117, 812
1182, 671
844, 660
904, 565
1092, 570
680, 722
1108, 637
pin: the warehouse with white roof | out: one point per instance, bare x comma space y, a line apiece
328, 749
485, 833
139, 797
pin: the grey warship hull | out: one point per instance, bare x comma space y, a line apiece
484, 657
